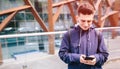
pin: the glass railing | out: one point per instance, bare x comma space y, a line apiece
22, 50
24, 43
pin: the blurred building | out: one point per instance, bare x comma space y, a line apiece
24, 22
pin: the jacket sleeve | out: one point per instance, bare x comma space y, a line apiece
102, 54
65, 53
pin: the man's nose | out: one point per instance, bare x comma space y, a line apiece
85, 24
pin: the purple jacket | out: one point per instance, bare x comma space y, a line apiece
77, 42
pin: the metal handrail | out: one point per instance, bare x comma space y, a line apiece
47, 33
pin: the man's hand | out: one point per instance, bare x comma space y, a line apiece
82, 60
91, 62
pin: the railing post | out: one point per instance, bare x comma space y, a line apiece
51, 28
1, 59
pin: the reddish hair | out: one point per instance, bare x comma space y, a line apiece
85, 8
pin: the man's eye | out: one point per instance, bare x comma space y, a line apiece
89, 21
83, 20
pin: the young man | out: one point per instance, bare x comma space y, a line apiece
82, 47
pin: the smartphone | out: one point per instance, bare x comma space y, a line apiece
89, 58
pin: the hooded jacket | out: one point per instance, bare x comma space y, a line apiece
76, 42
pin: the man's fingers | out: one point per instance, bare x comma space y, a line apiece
90, 62
82, 58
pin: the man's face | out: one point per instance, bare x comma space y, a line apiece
85, 21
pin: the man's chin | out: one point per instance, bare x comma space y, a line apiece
85, 29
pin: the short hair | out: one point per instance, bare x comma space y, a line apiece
85, 8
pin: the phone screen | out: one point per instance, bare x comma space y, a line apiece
89, 58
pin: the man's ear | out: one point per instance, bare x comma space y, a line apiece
77, 17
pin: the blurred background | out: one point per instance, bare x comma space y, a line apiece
30, 35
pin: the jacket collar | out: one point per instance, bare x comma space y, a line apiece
78, 28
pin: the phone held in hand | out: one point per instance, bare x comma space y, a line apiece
89, 58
